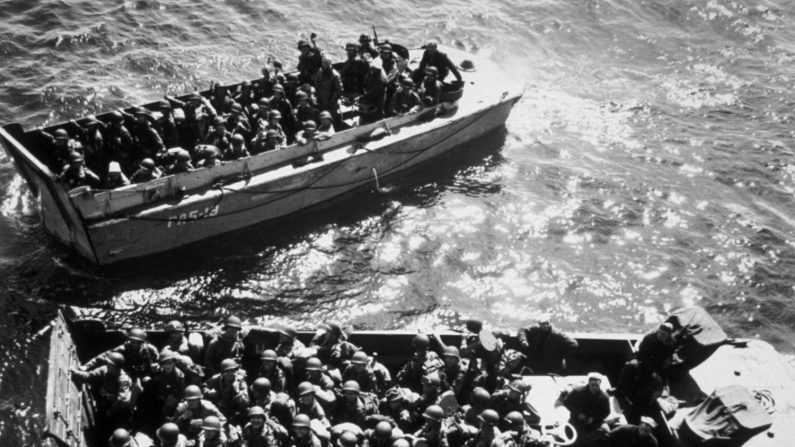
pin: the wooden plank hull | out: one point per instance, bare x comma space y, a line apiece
65, 413
214, 212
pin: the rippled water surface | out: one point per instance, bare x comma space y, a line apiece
649, 165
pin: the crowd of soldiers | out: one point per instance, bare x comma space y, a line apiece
277, 110
332, 393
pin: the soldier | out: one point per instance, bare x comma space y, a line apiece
389, 65
289, 346
123, 438
287, 121
261, 393
514, 398
546, 347
487, 431
227, 345
478, 402
263, 87
113, 385
373, 99
141, 357
399, 405
366, 48
309, 61
483, 346
274, 120
256, 433
182, 163
147, 171
76, 174
211, 434
228, 388
589, 405
168, 382
308, 404
353, 71
456, 373
271, 370
511, 367
190, 413
115, 178
166, 125
63, 146
307, 135
304, 110
221, 100
432, 57
332, 345
93, 142
324, 385
656, 349
329, 87
147, 141
260, 119
237, 122
175, 338
237, 148
519, 434
347, 439
302, 433
169, 436
638, 390
198, 113
245, 96
119, 144
373, 377
382, 435
421, 363
326, 128
431, 391
629, 435
432, 431
405, 100
431, 89
219, 137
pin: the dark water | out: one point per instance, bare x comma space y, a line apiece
649, 165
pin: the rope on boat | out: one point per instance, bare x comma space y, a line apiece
291, 191
766, 399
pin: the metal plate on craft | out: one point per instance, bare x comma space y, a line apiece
487, 340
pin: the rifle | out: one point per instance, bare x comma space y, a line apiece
375, 36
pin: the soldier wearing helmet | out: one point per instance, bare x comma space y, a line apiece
304, 108
192, 411
518, 434
433, 431
175, 338
546, 347
115, 178
353, 71
326, 128
182, 162
421, 363
479, 400
148, 142
355, 406
270, 369
199, 114
228, 388
289, 346
405, 100
147, 171
372, 102
332, 342
399, 405
316, 374
307, 403
430, 90
274, 123
309, 61
456, 375
488, 421
62, 145
220, 137
244, 96
227, 345
382, 435
431, 390
169, 382
212, 433
77, 174
237, 148
169, 436
123, 438
113, 387
287, 120
432, 57
373, 376
263, 87
303, 436
391, 68
166, 125
140, 356
514, 398
262, 393
257, 433
511, 366
328, 85
119, 144
238, 122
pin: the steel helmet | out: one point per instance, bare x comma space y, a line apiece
237, 108
173, 325
120, 438
163, 105
515, 419
351, 46
271, 133
233, 322
194, 96
309, 124
489, 416
302, 43
383, 429
256, 410
434, 413
274, 114
168, 432
183, 155
348, 439
116, 116
237, 138
269, 355
148, 163
278, 88
264, 102
211, 423
305, 388
432, 71
401, 442
517, 385
229, 365
420, 341
386, 48
61, 134
314, 364
261, 385
291, 77
137, 334
301, 420
116, 358
76, 157
325, 115
407, 82
360, 358
287, 330
167, 354
300, 94
140, 111
192, 392
480, 397
451, 351
219, 121
351, 385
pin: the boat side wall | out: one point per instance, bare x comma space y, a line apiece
66, 415
57, 212
179, 225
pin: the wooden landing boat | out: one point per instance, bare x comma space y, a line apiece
144, 219
716, 363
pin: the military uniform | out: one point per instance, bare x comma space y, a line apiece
114, 391
329, 89
222, 347
75, 177
593, 406
229, 391
139, 361
546, 350
258, 436
189, 420
525, 438
418, 366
